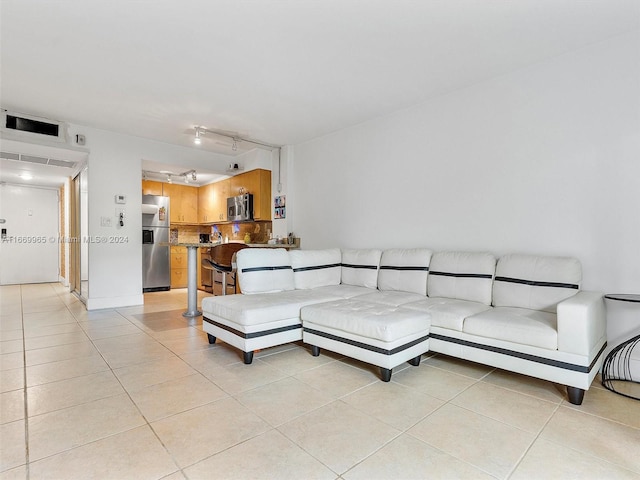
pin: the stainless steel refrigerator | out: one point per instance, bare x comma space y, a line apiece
156, 269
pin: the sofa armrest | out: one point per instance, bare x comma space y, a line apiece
581, 322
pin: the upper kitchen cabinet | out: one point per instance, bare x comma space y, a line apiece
149, 187
205, 204
184, 203
219, 203
258, 183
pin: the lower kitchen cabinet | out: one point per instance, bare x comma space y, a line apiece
179, 277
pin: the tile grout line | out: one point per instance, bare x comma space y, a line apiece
535, 439
24, 387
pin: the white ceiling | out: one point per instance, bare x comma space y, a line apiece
279, 71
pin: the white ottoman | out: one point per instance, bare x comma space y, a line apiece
383, 335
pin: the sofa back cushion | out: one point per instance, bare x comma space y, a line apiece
462, 276
316, 268
535, 282
404, 270
360, 267
262, 270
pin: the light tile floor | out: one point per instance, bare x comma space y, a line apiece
138, 393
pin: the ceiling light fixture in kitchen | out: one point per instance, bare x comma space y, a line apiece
201, 131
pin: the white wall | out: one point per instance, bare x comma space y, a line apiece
114, 167
544, 160
30, 253
282, 173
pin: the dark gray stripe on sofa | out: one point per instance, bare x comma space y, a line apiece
365, 346
462, 275
536, 283
404, 268
370, 267
265, 269
316, 267
244, 335
524, 356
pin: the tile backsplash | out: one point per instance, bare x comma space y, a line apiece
258, 231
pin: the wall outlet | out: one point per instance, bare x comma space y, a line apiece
105, 221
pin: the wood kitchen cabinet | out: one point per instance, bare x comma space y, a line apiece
205, 204
219, 203
150, 187
184, 203
179, 269
258, 183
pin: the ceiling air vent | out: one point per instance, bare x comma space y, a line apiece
27, 125
39, 160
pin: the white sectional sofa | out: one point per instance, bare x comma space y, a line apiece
521, 313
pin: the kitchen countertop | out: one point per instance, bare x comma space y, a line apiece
209, 245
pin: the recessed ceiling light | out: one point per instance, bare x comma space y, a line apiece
26, 176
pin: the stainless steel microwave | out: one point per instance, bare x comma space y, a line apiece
240, 208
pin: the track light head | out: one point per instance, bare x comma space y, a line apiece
234, 147
198, 140
193, 176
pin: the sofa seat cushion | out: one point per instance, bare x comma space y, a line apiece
344, 291
391, 297
448, 312
262, 308
365, 319
518, 325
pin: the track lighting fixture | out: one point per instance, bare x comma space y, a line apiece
201, 131
167, 176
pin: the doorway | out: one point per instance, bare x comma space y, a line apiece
29, 219
79, 229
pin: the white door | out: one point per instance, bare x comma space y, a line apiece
29, 249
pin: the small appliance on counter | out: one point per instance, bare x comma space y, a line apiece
205, 238
240, 208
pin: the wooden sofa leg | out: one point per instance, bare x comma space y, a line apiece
415, 361
248, 357
385, 374
211, 338
576, 395
315, 351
